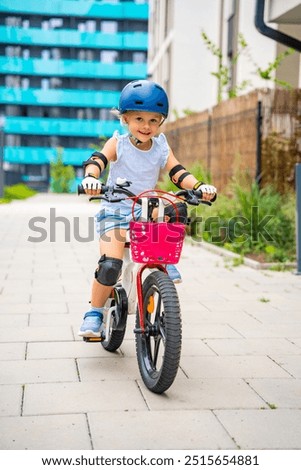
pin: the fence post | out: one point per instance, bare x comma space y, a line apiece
258, 143
298, 217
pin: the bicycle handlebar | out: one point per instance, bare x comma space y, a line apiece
111, 194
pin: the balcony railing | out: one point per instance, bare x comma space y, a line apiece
72, 68
86, 9
60, 127
44, 155
62, 97
72, 38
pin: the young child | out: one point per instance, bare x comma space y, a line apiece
137, 156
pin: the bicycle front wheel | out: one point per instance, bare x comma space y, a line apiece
158, 348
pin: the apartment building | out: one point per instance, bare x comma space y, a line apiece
180, 60
62, 66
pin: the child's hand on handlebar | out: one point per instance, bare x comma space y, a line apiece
91, 185
208, 191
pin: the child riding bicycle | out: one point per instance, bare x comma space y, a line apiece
137, 156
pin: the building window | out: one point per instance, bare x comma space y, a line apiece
55, 82
54, 112
45, 54
25, 24
105, 114
108, 57
12, 81
91, 26
26, 53
89, 55
89, 113
11, 51
45, 83
45, 25
55, 23
13, 21
25, 82
109, 27
81, 27
81, 54
56, 53
139, 57
80, 114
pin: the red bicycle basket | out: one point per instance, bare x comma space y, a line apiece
156, 242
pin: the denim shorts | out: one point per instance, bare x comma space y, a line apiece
109, 218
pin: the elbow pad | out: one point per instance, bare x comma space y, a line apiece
92, 161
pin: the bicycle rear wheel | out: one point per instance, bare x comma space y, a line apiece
117, 320
158, 349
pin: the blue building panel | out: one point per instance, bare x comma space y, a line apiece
73, 38
86, 8
43, 156
63, 97
66, 127
72, 68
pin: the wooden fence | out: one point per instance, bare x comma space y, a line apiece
258, 133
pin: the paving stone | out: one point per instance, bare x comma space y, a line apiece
65, 432
50, 319
282, 393
292, 364
252, 346
82, 397
9, 322
263, 429
29, 334
212, 330
12, 351
14, 308
36, 371
66, 349
133, 430
10, 400
48, 307
108, 368
278, 330
204, 394
231, 366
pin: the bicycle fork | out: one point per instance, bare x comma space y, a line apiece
139, 288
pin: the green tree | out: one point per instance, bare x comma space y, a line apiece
223, 73
62, 176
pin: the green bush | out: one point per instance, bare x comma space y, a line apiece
247, 220
17, 191
61, 175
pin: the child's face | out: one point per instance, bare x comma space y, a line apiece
143, 125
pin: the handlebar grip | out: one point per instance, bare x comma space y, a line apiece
80, 189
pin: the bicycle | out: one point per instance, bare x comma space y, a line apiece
153, 297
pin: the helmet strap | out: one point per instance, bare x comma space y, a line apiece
135, 140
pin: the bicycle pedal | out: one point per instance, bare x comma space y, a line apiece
94, 339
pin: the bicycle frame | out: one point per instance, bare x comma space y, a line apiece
133, 274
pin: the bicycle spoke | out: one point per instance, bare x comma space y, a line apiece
157, 342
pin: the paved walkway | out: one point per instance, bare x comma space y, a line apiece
239, 384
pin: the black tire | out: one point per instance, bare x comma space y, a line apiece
159, 347
118, 320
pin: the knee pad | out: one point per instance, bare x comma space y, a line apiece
108, 270
171, 212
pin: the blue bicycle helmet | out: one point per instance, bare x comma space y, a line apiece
143, 95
